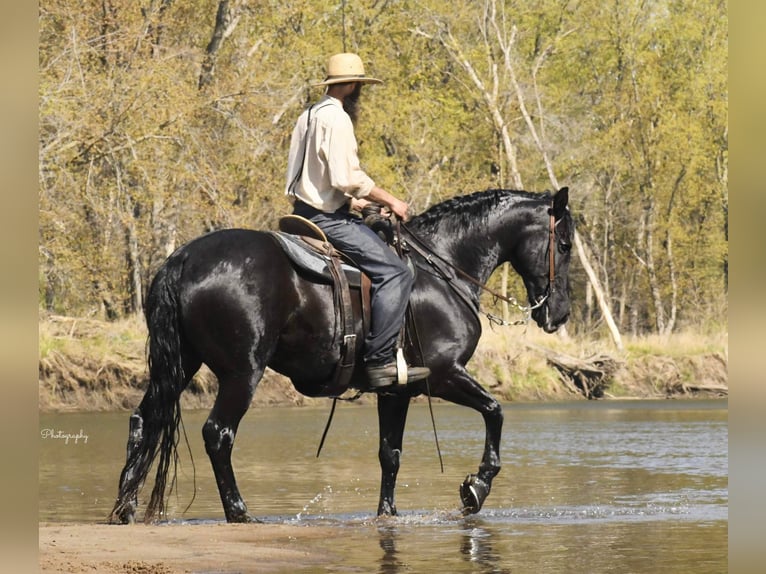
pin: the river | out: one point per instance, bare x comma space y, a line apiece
586, 487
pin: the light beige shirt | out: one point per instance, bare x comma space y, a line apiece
331, 172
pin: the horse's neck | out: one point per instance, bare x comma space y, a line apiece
481, 249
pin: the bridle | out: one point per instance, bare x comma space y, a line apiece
551, 245
430, 255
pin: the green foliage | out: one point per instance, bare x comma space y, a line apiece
628, 100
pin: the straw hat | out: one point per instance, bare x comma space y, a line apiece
346, 67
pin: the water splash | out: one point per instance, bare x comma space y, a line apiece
324, 494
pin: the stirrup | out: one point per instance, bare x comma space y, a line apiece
401, 367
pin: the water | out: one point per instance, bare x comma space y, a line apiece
608, 486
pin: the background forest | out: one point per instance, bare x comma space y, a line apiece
161, 120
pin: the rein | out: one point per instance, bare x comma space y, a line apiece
428, 254
551, 246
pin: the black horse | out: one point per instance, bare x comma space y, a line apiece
231, 299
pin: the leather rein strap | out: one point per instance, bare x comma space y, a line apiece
551, 247
427, 253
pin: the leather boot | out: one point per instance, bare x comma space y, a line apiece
385, 375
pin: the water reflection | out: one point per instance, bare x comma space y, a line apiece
476, 544
477, 548
390, 563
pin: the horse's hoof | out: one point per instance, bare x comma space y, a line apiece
123, 516
386, 509
473, 493
244, 519
119, 519
253, 520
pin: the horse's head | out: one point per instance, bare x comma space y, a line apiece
542, 260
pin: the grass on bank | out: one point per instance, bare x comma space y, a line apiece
98, 339
86, 361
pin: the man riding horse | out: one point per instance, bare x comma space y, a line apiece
233, 300
324, 179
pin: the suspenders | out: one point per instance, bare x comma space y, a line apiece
291, 187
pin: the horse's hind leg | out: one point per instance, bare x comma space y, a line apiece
234, 395
138, 456
127, 514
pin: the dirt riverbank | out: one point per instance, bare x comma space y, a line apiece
178, 548
89, 365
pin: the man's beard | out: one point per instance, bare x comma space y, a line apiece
351, 103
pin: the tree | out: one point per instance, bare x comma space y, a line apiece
162, 120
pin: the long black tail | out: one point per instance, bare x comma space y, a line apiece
155, 424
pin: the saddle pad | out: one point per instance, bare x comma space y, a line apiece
305, 257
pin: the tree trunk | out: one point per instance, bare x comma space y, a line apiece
589, 376
600, 297
671, 323
225, 21
135, 285
153, 27
623, 300
109, 55
651, 269
491, 98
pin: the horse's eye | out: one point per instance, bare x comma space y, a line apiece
564, 247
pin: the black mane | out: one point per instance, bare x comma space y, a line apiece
465, 210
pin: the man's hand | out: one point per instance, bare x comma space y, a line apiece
398, 207
358, 204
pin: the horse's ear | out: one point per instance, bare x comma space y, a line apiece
560, 200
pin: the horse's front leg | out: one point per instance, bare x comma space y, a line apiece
476, 487
392, 414
462, 389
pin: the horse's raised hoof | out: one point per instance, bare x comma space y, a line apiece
473, 493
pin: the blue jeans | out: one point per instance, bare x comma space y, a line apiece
390, 278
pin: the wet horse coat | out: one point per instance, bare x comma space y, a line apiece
232, 300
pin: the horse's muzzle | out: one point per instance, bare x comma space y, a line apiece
546, 321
